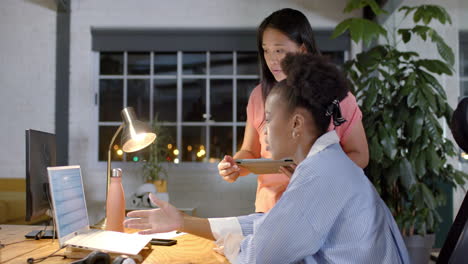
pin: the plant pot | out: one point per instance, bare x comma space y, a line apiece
161, 186
419, 247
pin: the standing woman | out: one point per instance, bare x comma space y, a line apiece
286, 31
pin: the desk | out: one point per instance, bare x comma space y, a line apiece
189, 249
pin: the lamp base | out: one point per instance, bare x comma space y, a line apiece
101, 224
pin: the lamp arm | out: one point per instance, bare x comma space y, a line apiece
109, 158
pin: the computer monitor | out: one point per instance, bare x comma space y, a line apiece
40, 154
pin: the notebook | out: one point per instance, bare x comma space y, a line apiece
71, 217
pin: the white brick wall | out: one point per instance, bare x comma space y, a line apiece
462, 14
27, 77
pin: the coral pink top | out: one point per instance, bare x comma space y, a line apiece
271, 186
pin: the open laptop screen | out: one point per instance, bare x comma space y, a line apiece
66, 187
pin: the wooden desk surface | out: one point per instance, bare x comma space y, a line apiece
189, 249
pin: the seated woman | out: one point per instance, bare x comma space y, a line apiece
329, 213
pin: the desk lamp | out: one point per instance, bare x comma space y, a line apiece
136, 135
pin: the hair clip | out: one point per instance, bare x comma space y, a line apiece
334, 111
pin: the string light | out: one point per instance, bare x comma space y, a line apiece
464, 156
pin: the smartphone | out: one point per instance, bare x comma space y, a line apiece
163, 242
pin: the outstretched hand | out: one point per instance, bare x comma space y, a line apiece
163, 219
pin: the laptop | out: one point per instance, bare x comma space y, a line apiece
71, 217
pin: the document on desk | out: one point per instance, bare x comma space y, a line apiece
167, 235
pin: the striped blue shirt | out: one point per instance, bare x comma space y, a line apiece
330, 213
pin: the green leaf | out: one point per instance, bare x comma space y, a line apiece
428, 12
363, 29
408, 55
422, 31
341, 28
392, 176
434, 160
388, 143
435, 66
406, 174
433, 82
412, 99
375, 150
372, 92
416, 125
428, 94
428, 196
389, 78
407, 10
405, 35
359, 4
444, 50
420, 165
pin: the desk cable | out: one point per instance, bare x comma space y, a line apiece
4, 245
33, 260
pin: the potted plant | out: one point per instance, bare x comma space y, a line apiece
155, 167
402, 102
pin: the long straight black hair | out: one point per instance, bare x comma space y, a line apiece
296, 27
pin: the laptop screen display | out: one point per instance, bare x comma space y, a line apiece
66, 187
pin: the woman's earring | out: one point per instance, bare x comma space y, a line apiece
294, 134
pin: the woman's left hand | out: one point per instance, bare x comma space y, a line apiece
164, 219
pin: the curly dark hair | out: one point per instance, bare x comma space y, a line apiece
313, 82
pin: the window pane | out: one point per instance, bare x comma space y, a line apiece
463, 59
165, 99
138, 63
110, 100
111, 63
221, 100
244, 88
221, 63
105, 136
138, 94
165, 63
194, 63
194, 99
247, 63
220, 143
167, 139
240, 137
336, 57
464, 87
193, 143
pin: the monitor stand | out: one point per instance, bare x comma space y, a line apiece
41, 234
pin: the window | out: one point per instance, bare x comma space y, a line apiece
196, 83
463, 64
201, 96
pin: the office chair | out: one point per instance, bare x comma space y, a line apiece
455, 246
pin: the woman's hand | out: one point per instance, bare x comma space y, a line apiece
163, 219
228, 169
288, 170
